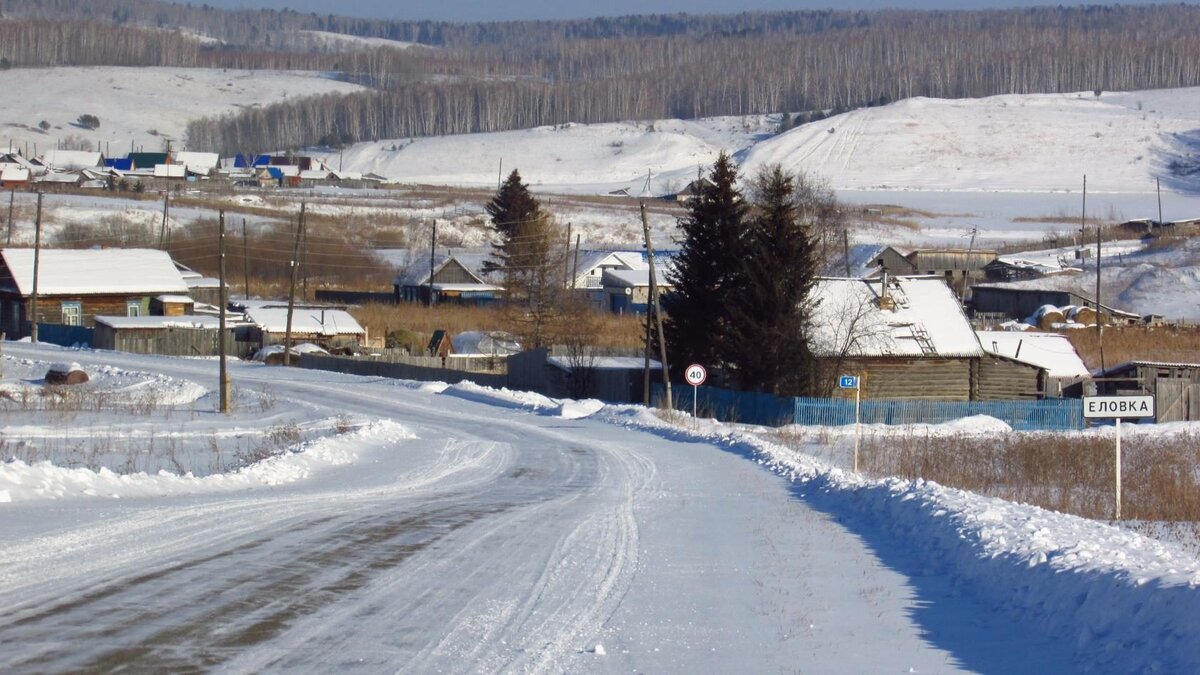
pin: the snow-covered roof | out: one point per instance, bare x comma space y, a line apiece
493, 343
14, 172
190, 321
1051, 351
418, 271
176, 299
71, 159
170, 171
926, 320
126, 271
635, 278
306, 320
199, 162
315, 174
467, 287
605, 363
70, 177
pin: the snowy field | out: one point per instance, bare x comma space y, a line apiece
470, 529
137, 107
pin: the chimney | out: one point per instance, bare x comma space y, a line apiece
885, 301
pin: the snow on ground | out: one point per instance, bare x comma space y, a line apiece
654, 546
139, 106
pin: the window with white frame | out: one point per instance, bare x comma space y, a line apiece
133, 308
72, 313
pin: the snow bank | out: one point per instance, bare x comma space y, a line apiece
25, 482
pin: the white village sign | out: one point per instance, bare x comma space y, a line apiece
1116, 407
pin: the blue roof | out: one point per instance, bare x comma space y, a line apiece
275, 172
262, 160
120, 164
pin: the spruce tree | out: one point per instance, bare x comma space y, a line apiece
528, 255
779, 267
706, 271
513, 210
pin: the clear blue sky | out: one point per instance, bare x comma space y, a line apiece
502, 10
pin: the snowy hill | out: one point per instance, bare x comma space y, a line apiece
138, 106
1022, 143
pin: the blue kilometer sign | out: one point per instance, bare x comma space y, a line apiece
848, 382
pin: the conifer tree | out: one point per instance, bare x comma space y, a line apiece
769, 320
528, 255
706, 271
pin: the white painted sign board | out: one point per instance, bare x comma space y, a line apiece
1108, 407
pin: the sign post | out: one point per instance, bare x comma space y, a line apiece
1116, 407
852, 382
695, 376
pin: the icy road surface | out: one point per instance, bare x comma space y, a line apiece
496, 540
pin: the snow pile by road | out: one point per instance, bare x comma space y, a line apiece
43, 480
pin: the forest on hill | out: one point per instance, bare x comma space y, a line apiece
510, 75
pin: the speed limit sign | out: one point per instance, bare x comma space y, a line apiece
695, 374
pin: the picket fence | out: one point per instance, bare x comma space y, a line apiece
767, 409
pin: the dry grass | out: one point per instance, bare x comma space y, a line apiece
1121, 344
1066, 472
414, 323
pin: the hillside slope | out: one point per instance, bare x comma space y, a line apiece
136, 106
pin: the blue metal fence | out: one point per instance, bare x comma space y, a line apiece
63, 335
766, 409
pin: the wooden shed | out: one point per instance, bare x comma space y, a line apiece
169, 335
171, 305
1175, 387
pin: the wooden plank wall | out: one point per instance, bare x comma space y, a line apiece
932, 379
996, 379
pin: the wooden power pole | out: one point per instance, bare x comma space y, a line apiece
37, 254
287, 336
662, 340
221, 338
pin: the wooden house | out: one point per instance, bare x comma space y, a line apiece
905, 337
450, 279
14, 177
75, 286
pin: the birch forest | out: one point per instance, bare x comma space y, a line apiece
511, 75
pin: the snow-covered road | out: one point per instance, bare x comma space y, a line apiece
466, 537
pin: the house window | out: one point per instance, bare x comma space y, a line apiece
72, 313
133, 308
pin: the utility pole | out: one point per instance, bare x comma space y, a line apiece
162, 230
224, 358
287, 336
575, 271
662, 340
12, 195
432, 262
567, 260
1158, 189
245, 259
37, 254
846, 249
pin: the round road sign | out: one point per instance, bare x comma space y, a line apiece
695, 374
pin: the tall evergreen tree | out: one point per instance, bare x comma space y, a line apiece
706, 271
779, 268
512, 210
528, 255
